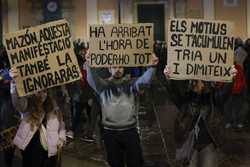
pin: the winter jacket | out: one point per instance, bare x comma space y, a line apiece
190, 106
54, 129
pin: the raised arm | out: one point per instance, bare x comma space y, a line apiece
95, 81
19, 103
145, 78
176, 89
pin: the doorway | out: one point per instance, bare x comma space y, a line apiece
153, 13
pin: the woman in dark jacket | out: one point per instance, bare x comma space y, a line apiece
197, 125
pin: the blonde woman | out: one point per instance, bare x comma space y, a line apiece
41, 131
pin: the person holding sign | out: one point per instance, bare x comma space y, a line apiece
197, 126
41, 132
119, 115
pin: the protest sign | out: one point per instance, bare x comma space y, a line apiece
43, 56
121, 45
200, 49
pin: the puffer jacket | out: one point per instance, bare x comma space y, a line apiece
55, 130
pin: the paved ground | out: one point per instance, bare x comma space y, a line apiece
78, 153
235, 150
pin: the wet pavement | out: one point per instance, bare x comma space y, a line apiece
78, 153
156, 130
234, 153
236, 149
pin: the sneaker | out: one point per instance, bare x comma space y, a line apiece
88, 139
240, 126
228, 125
70, 134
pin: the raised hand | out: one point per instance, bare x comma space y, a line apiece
155, 59
233, 71
167, 71
13, 73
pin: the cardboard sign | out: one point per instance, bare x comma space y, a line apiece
200, 49
43, 56
121, 45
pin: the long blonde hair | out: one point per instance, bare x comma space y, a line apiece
38, 108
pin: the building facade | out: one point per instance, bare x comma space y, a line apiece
19, 14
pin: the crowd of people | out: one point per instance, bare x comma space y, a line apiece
106, 99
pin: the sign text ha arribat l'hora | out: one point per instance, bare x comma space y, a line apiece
121, 45
200, 49
43, 56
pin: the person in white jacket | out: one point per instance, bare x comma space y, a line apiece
41, 131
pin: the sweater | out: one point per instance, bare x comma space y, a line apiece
118, 98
